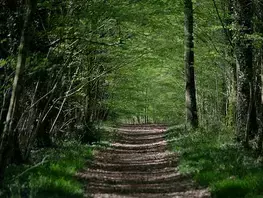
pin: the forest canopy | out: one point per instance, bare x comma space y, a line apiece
67, 68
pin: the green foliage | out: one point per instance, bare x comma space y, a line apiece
123, 59
215, 161
53, 177
143, 89
89, 133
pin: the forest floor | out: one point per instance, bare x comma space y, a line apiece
51, 174
141, 162
215, 160
138, 164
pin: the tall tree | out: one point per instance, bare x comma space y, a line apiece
246, 117
190, 94
258, 28
8, 136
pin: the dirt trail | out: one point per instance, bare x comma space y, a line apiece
138, 165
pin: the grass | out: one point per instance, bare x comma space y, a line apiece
52, 177
217, 162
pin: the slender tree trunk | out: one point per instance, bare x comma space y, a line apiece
8, 136
259, 85
62, 104
229, 83
244, 63
259, 101
191, 107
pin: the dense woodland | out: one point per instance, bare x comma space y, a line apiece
68, 68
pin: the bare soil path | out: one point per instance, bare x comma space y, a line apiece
138, 165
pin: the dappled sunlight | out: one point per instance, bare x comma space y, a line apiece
131, 98
138, 169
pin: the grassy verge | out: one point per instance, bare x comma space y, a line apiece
215, 161
52, 174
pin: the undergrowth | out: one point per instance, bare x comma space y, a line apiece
217, 162
51, 175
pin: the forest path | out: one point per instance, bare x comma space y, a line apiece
138, 165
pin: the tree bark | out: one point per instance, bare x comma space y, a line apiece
259, 85
8, 136
190, 94
244, 63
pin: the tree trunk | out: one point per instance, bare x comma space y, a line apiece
191, 107
259, 85
259, 101
244, 64
8, 136
230, 70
